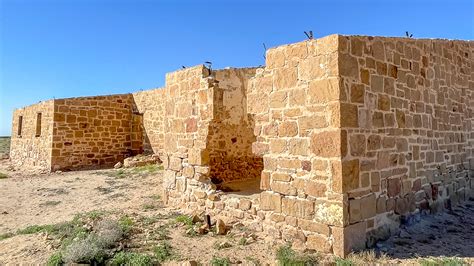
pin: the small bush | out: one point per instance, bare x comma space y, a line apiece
130, 259
55, 260
243, 241
163, 252
6, 235
287, 256
33, 229
126, 224
93, 215
3, 176
218, 261
108, 233
86, 250
186, 220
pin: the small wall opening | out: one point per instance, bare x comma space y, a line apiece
20, 125
38, 124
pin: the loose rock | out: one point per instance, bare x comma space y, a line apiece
220, 227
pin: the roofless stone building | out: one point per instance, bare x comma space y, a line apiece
330, 145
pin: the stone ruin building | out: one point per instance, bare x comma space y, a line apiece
331, 145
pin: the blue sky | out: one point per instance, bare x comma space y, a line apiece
67, 48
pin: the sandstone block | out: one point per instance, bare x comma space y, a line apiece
288, 129
318, 242
299, 208
270, 201
368, 206
357, 145
324, 90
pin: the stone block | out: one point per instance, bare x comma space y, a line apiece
357, 93
315, 189
350, 175
368, 206
298, 146
355, 210
270, 201
357, 145
288, 129
324, 90
349, 239
299, 208
318, 242
326, 143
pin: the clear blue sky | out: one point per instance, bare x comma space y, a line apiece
68, 48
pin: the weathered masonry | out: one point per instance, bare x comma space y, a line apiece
330, 146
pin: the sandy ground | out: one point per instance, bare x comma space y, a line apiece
29, 198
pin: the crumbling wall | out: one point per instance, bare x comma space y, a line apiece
150, 104
189, 96
91, 131
29, 149
407, 109
231, 134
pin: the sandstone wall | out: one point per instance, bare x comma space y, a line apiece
295, 100
231, 135
189, 95
29, 149
150, 104
91, 131
408, 115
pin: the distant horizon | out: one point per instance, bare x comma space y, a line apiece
52, 49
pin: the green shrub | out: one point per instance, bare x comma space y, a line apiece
287, 256
130, 259
55, 260
126, 224
218, 261
3, 176
6, 235
33, 229
163, 252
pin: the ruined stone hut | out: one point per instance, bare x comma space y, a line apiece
331, 145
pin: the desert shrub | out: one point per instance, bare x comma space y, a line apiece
33, 229
163, 252
108, 233
126, 224
130, 259
218, 261
3, 176
86, 250
287, 256
6, 235
55, 260
93, 247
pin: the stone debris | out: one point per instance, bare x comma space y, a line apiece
141, 160
220, 227
118, 165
